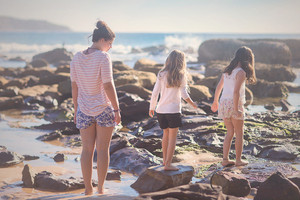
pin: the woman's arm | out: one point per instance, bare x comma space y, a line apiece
240, 78
75, 96
111, 93
215, 105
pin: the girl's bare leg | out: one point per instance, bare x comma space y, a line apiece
88, 137
164, 145
227, 142
171, 148
239, 131
103, 139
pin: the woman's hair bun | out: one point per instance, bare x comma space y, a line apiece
100, 24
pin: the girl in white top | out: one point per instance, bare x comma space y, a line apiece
171, 84
95, 103
231, 108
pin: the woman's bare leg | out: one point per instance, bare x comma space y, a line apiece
88, 137
171, 148
103, 139
227, 142
165, 141
239, 141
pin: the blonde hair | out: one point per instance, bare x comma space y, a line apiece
175, 67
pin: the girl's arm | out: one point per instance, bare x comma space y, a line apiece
240, 78
185, 95
215, 105
154, 96
111, 93
75, 96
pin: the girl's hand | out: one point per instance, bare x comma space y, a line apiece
151, 113
214, 106
117, 117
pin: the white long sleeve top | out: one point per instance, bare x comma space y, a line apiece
170, 97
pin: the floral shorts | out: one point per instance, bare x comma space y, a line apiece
105, 119
226, 109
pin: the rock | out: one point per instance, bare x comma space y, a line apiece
274, 73
156, 178
198, 92
33, 91
284, 152
47, 181
29, 157
278, 187
143, 63
46, 101
269, 106
209, 139
38, 63
135, 89
9, 92
210, 82
295, 179
264, 51
65, 88
286, 106
18, 82
41, 73
55, 56
54, 79
11, 102
120, 66
187, 109
215, 68
263, 89
151, 144
292, 87
115, 175
50, 136
232, 184
197, 77
133, 160
28, 176
59, 157
63, 69
3, 81
194, 191
117, 144
135, 111
9, 158
154, 132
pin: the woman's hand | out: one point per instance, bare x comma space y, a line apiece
117, 117
214, 106
151, 113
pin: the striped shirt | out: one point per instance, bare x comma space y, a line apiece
90, 71
170, 97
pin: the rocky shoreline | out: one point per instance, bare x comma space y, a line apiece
272, 138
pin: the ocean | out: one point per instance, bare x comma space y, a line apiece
127, 47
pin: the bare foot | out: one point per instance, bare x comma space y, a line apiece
101, 191
227, 162
241, 163
170, 168
89, 191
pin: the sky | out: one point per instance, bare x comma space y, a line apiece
203, 16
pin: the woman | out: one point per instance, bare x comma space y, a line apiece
95, 103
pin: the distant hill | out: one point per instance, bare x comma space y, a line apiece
20, 25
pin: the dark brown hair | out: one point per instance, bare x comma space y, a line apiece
102, 31
245, 57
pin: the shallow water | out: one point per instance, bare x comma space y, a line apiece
22, 141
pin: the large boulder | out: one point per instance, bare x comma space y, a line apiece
194, 191
156, 178
284, 152
199, 92
9, 158
33, 91
22, 82
3, 81
135, 89
65, 88
211, 82
133, 160
41, 73
54, 79
263, 89
147, 65
120, 66
55, 56
28, 176
274, 72
232, 184
278, 187
38, 63
264, 51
